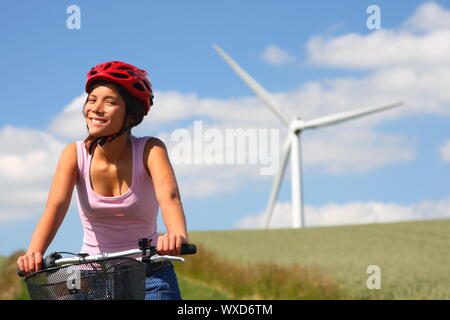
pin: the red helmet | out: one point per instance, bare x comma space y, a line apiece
134, 80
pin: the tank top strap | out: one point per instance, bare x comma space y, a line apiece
138, 154
81, 158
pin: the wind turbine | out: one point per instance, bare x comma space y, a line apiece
291, 145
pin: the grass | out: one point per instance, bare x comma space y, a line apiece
413, 256
11, 286
3, 261
196, 290
258, 281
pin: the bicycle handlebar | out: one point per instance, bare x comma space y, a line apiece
187, 248
55, 259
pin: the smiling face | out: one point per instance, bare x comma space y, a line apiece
104, 110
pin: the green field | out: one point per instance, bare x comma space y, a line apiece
414, 257
2, 261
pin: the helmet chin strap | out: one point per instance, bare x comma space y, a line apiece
102, 140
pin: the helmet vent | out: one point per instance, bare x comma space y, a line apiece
138, 86
123, 68
147, 85
93, 72
107, 66
119, 75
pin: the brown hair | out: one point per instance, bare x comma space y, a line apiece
134, 108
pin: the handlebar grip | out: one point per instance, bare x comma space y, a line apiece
20, 273
187, 248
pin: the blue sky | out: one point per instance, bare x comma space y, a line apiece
397, 162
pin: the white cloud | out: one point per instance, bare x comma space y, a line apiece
444, 151
350, 214
429, 16
353, 150
27, 155
204, 187
171, 106
383, 48
387, 48
273, 54
28, 160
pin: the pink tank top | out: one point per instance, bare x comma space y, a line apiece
114, 224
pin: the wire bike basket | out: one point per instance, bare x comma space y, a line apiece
105, 279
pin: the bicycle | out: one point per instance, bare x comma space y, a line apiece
105, 276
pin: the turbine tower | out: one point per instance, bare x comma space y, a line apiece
291, 145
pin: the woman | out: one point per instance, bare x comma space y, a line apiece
121, 180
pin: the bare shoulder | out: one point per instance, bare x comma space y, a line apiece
154, 142
70, 152
154, 147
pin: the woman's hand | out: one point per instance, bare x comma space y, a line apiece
30, 262
170, 244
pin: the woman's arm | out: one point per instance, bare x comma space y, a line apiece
58, 202
168, 197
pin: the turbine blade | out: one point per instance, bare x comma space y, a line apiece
256, 87
278, 178
344, 116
